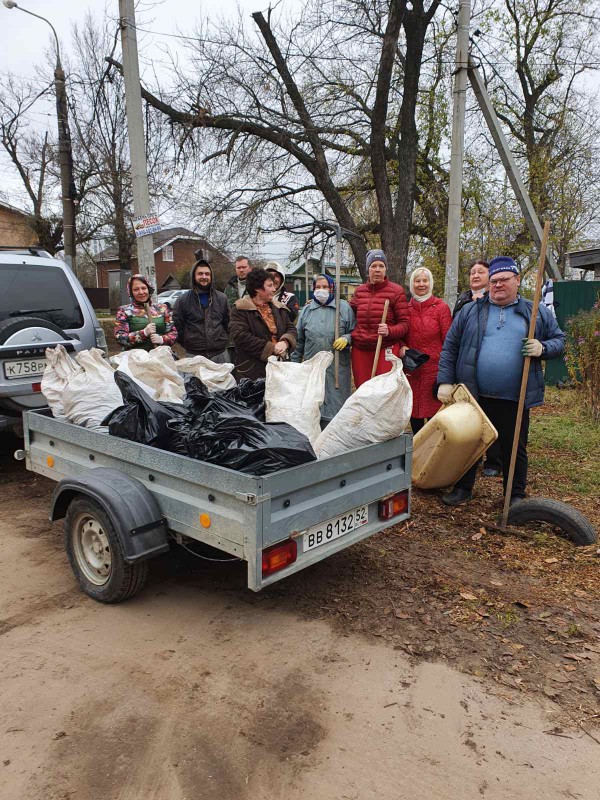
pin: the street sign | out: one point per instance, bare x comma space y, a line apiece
144, 226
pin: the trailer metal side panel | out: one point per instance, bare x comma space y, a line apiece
247, 513
311, 493
181, 485
330, 488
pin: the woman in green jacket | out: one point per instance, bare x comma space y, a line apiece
316, 332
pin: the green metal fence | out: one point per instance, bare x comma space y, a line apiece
571, 296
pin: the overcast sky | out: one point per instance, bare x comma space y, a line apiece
25, 40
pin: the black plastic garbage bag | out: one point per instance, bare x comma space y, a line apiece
247, 395
413, 359
141, 419
239, 441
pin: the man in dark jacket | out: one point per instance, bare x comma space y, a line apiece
485, 349
202, 316
260, 327
236, 285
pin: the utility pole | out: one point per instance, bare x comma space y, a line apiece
135, 128
457, 153
510, 165
65, 153
65, 157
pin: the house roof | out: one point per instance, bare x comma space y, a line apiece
162, 239
14, 209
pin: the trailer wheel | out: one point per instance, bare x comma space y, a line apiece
96, 555
570, 522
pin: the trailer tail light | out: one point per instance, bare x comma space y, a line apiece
37, 387
278, 557
392, 506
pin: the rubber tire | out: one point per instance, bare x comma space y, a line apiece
571, 522
10, 326
126, 580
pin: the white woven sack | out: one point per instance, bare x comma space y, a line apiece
154, 371
294, 392
92, 393
377, 411
216, 377
59, 369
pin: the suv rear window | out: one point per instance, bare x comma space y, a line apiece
38, 291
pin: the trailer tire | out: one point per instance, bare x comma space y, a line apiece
96, 554
571, 522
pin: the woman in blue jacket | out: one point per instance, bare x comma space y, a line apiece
316, 332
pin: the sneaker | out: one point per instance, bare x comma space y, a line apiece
456, 497
491, 472
515, 499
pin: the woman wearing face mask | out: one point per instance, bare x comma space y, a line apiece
133, 329
316, 332
430, 321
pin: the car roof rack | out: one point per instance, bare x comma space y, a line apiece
20, 250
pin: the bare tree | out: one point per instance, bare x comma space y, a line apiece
31, 153
306, 104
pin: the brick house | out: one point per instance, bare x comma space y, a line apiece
15, 227
174, 253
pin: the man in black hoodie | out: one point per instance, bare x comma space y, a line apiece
202, 316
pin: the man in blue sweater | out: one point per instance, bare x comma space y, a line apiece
485, 349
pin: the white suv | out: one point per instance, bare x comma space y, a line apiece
42, 304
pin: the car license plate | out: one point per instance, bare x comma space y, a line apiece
28, 368
334, 528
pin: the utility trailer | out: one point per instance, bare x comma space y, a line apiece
123, 503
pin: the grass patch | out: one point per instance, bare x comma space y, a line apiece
565, 443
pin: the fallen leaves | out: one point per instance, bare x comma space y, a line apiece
468, 596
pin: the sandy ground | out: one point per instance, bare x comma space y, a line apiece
197, 688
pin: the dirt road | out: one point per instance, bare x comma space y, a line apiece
199, 689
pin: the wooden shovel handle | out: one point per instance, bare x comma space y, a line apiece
386, 305
149, 315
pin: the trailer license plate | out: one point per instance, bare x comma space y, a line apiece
28, 368
334, 528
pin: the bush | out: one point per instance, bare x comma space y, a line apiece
583, 356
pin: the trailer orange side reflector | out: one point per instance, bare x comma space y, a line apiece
278, 557
50, 461
205, 520
393, 506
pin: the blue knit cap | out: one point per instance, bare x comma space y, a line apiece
376, 255
503, 264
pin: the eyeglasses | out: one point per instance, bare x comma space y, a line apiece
500, 281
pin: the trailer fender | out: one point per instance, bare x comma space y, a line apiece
132, 509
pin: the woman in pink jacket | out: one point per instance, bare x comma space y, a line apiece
429, 322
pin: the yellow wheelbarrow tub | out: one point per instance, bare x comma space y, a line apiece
451, 442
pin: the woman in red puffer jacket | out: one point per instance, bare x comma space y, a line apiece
430, 321
368, 303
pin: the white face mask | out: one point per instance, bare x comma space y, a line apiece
321, 295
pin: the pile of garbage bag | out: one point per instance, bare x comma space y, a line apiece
221, 427
81, 390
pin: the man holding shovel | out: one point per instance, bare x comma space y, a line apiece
381, 310
485, 350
